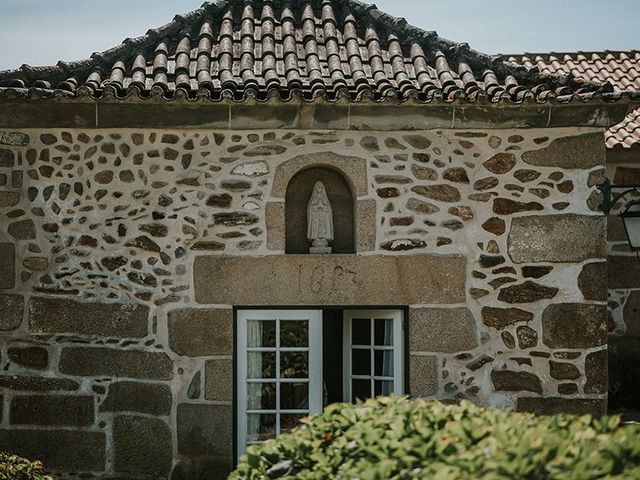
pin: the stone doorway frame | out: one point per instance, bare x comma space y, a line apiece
430, 302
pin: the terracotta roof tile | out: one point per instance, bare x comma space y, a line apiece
620, 69
330, 49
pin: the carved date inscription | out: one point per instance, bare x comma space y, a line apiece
327, 279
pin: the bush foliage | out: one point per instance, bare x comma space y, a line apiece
396, 438
13, 467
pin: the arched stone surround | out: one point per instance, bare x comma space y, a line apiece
353, 169
342, 209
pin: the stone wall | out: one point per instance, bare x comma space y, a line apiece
624, 297
123, 252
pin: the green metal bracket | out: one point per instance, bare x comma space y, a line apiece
607, 189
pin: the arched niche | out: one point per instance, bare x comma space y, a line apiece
341, 198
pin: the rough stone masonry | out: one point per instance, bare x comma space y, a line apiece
122, 253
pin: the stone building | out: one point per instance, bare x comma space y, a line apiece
160, 305
622, 71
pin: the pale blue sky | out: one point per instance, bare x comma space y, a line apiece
41, 32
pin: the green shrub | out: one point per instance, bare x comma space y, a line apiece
13, 467
396, 438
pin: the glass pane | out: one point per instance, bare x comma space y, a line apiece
383, 331
261, 333
261, 396
261, 364
290, 421
360, 389
383, 363
294, 333
383, 387
294, 364
294, 396
360, 331
261, 427
360, 361
632, 225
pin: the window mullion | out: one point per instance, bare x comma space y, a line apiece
372, 354
398, 354
242, 384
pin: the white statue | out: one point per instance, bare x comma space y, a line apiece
319, 220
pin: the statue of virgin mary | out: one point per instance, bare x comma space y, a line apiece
319, 220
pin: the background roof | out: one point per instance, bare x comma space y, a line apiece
621, 69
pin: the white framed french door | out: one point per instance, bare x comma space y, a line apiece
373, 342
279, 371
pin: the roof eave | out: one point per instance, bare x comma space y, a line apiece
20, 111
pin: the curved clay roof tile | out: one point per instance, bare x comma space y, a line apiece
315, 48
117, 73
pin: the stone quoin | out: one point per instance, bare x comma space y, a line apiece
157, 292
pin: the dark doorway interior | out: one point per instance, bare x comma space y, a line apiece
332, 355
